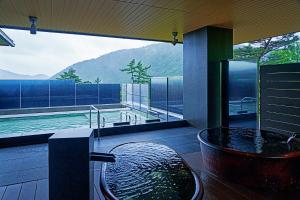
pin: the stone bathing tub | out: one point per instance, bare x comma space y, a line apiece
148, 171
255, 158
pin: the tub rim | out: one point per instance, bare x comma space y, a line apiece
294, 154
199, 189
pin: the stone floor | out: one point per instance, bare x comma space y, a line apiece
24, 170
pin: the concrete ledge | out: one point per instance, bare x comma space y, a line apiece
43, 137
141, 128
121, 123
24, 140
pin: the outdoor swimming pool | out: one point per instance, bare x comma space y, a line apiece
48, 122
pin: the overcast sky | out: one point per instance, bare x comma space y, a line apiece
48, 53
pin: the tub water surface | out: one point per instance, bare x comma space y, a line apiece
149, 171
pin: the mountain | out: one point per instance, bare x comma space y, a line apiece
165, 60
6, 75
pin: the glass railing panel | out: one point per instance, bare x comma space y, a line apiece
109, 93
158, 96
87, 94
9, 94
242, 87
34, 93
175, 96
62, 92
124, 94
242, 93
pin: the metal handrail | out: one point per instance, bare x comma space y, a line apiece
135, 119
127, 115
129, 119
153, 112
247, 98
103, 122
92, 107
121, 116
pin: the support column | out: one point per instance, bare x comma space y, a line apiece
225, 92
71, 174
203, 51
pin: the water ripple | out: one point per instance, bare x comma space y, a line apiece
149, 171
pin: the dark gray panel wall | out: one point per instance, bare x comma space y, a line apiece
203, 51
280, 98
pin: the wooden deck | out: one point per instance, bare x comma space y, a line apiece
25, 191
34, 190
24, 170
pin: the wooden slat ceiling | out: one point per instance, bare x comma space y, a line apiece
155, 19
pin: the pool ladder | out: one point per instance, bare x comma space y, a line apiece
121, 116
98, 119
246, 100
128, 117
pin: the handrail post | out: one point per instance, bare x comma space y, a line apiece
90, 117
242, 105
103, 123
167, 99
98, 119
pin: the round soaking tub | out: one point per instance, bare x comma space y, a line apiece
255, 158
148, 171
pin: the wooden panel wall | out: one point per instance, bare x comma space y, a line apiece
280, 98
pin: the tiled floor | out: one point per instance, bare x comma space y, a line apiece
24, 170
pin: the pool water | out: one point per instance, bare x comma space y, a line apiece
148, 171
16, 126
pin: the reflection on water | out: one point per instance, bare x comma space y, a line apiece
16, 126
149, 171
250, 140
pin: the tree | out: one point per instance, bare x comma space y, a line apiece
256, 50
70, 74
130, 69
142, 75
281, 56
138, 72
98, 80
